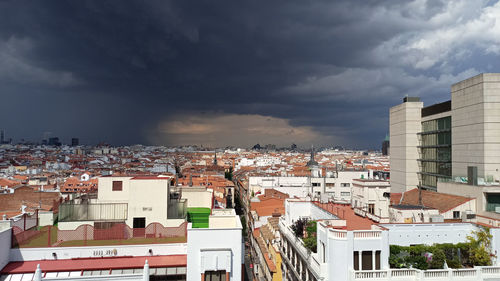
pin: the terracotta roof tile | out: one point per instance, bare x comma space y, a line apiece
344, 212
440, 201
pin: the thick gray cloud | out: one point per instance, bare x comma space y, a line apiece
129, 71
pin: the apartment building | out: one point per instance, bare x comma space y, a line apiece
371, 198
351, 247
446, 146
135, 201
334, 185
209, 247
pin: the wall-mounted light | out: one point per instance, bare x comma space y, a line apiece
150, 252
54, 255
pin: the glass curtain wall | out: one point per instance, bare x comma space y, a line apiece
435, 152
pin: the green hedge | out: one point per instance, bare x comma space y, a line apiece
475, 252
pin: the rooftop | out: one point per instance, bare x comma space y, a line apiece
86, 264
344, 212
440, 201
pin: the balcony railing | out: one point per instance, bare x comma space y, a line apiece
476, 273
298, 246
93, 212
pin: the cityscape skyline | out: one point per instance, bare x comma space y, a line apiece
170, 73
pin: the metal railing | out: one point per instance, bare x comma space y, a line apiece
177, 209
93, 212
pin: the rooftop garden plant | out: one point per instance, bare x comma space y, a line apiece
475, 252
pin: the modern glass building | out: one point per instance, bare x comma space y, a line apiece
434, 146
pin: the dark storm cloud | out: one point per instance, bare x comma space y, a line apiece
128, 71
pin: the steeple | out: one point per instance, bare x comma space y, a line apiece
312, 162
215, 157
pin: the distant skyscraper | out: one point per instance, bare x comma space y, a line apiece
2, 136
75, 142
385, 145
54, 141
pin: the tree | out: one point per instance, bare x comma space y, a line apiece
298, 227
480, 247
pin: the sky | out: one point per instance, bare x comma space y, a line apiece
233, 73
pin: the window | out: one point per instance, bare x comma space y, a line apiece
345, 184
366, 260
316, 184
345, 194
377, 260
456, 214
371, 209
219, 275
356, 260
117, 185
330, 184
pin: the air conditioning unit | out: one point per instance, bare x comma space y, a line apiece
497, 209
468, 215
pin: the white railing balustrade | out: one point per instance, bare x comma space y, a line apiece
360, 212
298, 245
477, 273
491, 270
464, 273
438, 273
370, 274
403, 273
367, 234
338, 234
373, 217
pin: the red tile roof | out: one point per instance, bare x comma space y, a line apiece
94, 264
344, 212
266, 207
430, 199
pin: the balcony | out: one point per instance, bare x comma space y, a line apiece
93, 212
299, 247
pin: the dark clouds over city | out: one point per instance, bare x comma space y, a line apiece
233, 72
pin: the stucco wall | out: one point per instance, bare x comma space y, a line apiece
72, 225
45, 218
210, 249
149, 199
476, 125
197, 198
297, 209
27, 254
428, 233
404, 124
5, 241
